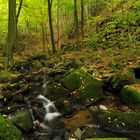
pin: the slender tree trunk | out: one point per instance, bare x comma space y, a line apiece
19, 10
82, 18
51, 26
58, 31
17, 18
43, 36
76, 22
12, 30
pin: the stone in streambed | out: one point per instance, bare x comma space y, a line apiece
83, 86
8, 131
130, 94
22, 119
119, 122
56, 91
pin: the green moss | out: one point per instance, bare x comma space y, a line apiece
83, 85
119, 121
8, 131
56, 91
131, 96
122, 78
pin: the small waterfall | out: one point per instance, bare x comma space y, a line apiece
51, 112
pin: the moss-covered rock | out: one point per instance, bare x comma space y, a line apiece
83, 86
130, 94
118, 80
56, 91
22, 119
117, 121
8, 131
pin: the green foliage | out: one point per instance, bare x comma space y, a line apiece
8, 131
116, 29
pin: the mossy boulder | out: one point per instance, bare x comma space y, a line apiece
56, 91
83, 86
8, 131
22, 119
6, 76
117, 121
118, 80
130, 94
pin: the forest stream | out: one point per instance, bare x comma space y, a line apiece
70, 70
59, 101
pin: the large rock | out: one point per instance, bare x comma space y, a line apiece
8, 131
118, 80
83, 86
22, 119
55, 91
126, 123
130, 94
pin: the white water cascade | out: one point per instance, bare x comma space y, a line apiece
50, 110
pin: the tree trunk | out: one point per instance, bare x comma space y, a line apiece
43, 36
76, 22
17, 37
58, 31
82, 18
12, 30
51, 26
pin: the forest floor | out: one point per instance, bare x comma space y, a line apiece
99, 61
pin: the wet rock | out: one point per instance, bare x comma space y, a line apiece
83, 86
118, 80
22, 119
125, 123
8, 131
130, 94
6, 76
56, 91
65, 107
39, 112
